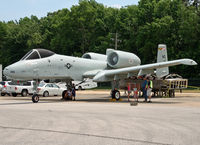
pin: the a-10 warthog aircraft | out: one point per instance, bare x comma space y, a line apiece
41, 64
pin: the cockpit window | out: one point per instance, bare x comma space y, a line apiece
26, 55
45, 53
37, 54
33, 55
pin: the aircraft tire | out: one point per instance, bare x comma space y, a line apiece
2, 94
117, 95
14, 94
63, 94
46, 94
24, 93
35, 98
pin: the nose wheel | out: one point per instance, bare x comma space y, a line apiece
35, 98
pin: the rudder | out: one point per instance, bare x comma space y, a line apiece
162, 57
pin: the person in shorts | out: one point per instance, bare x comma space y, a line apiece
135, 90
149, 89
129, 91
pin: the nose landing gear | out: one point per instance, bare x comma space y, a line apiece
35, 98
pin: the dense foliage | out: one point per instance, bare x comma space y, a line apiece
90, 26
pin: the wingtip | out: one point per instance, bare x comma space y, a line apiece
189, 62
194, 62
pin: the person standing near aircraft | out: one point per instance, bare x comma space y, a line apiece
149, 89
135, 90
144, 89
129, 91
73, 92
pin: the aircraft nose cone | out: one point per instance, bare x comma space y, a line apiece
6, 71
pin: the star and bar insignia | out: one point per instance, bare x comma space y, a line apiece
68, 65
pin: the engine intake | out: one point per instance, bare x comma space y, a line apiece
120, 59
95, 56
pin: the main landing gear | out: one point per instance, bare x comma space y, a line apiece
67, 94
115, 94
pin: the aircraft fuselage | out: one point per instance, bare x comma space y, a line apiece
53, 67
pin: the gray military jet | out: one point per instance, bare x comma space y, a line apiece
41, 64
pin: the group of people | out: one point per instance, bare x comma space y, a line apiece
135, 92
147, 86
146, 89
70, 94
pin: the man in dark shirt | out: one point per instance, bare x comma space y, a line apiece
73, 92
144, 89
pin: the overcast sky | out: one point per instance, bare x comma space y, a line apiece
16, 9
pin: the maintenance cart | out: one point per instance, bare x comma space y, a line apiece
164, 87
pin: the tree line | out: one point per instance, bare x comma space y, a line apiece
91, 26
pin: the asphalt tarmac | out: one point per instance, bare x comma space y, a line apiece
95, 120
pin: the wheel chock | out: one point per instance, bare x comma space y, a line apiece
120, 99
133, 103
113, 100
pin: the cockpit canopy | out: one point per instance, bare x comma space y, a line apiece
37, 54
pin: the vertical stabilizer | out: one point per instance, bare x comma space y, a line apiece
162, 57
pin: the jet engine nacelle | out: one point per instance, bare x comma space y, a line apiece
95, 56
120, 59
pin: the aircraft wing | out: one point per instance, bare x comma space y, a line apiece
106, 74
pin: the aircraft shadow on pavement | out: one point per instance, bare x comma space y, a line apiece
30, 102
106, 99
16, 103
123, 101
